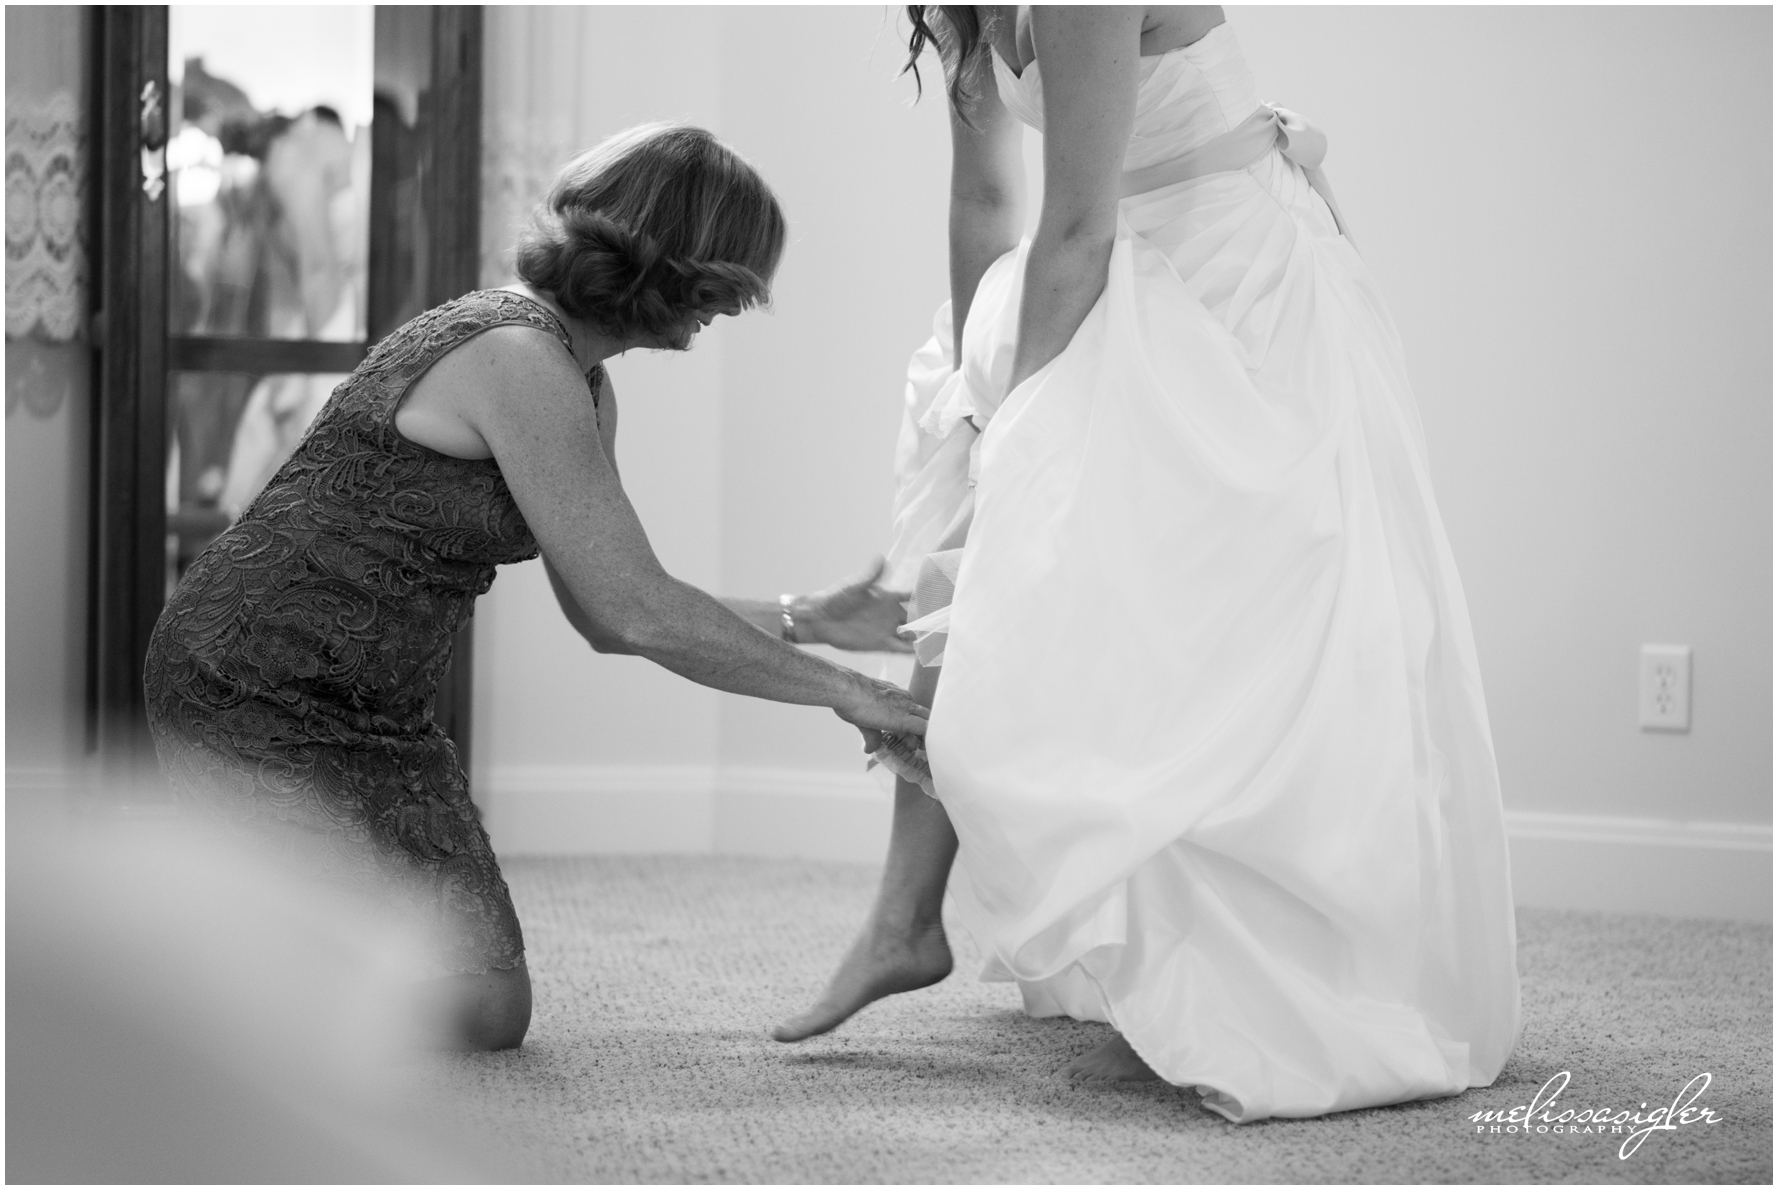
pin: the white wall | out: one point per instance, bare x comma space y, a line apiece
46, 504
812, 393
760, 461
558, 80
1569, 210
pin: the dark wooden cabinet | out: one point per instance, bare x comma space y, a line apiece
129, 255
423, 249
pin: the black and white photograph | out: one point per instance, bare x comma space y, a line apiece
1184, 596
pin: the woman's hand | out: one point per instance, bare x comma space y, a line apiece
858, 615
875, 707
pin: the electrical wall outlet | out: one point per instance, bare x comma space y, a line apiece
1666, 688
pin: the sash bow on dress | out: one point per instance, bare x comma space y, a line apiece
1270, 126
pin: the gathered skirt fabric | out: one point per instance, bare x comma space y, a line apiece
1211, 727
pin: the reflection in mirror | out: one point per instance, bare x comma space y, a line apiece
405, 120
269, 162
228, 433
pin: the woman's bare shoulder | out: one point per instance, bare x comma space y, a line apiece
519, 340
505, 359
451, 408
509, 353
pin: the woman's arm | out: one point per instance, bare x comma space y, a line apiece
987, 190
1090, 57
608, 420
579, 620
853, 615
857, 615
531, 408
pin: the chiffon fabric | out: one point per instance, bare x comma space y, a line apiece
1210, 727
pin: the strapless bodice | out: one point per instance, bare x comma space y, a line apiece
1186, 97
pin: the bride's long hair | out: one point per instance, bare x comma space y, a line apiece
959, 34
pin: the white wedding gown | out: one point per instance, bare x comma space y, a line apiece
1210, 727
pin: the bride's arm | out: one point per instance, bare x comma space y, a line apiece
987, 189
1090, 58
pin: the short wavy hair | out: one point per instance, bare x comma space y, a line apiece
651, 227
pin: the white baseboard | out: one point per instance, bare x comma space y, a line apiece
32, 778
1560, 861
48, 788
806, 814
599, 810
1641, 865
1563, 861
691, 809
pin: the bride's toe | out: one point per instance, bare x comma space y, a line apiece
1113, 1062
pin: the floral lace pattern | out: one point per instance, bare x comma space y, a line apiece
45, 184
291, 677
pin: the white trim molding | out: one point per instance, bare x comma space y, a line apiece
598, 809
45, 785
49, 797
804, 813
1589, 828
1641, 865
685, 809
1561, 861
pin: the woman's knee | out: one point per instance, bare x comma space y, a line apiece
490, 1011
504, 1014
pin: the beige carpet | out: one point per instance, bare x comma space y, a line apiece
656, 979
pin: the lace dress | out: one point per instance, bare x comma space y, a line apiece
291, 677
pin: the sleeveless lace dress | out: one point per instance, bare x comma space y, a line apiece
291, 677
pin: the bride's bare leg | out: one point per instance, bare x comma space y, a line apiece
902, 946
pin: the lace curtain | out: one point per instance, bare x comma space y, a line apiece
45, 192
533, 58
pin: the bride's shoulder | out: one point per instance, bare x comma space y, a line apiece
1174, 26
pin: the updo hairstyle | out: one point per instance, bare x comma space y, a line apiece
651, 227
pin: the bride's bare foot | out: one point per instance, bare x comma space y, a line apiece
1113, 1062
882, 962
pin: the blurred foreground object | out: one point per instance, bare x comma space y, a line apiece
179, 1010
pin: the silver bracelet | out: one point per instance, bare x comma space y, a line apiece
788, 631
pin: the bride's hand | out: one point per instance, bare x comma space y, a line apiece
858, 615
875, 707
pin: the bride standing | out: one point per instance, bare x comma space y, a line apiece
1176, 471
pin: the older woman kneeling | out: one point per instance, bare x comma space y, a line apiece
291, 677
